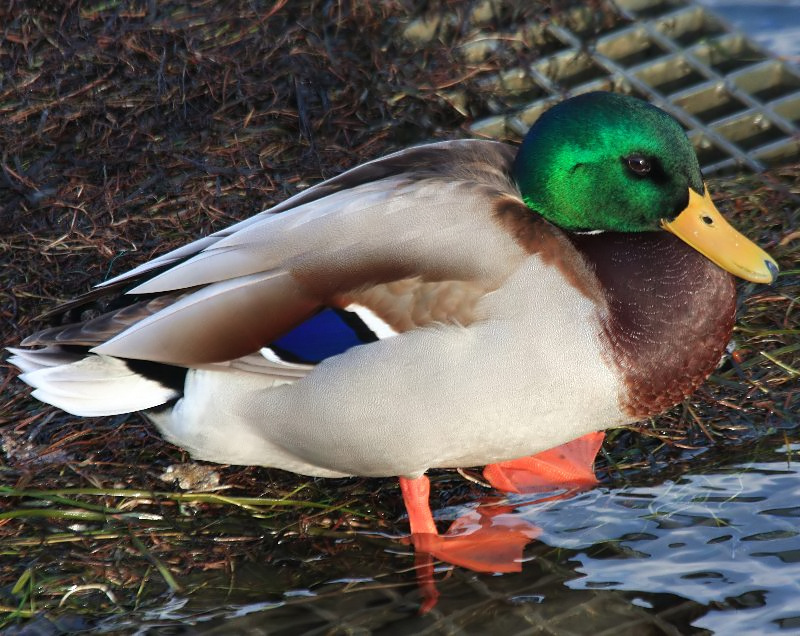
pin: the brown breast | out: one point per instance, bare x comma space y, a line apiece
670, 314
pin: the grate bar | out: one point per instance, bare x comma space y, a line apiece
663, 102
740, 105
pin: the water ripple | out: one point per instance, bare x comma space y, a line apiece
726, 539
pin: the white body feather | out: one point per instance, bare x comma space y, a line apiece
381, 410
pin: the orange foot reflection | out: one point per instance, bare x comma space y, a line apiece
489, 538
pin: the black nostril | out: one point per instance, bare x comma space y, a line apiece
708, 220
773, 269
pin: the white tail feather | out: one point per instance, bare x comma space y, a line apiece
90, 386
28, 360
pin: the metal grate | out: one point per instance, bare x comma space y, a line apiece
740, 106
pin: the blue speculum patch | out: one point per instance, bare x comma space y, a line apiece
326, 334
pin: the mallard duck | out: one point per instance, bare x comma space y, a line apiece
455, 304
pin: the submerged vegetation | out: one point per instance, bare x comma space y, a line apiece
128, 128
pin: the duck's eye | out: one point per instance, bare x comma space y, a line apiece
638, 165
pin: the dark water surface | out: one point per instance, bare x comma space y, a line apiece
714, 550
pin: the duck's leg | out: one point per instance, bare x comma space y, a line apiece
570, 465
416, 494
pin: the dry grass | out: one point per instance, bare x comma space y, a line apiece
128, 128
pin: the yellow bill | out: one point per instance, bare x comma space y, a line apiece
706, 230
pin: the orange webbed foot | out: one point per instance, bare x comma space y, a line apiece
570, 465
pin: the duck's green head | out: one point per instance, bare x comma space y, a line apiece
609, 162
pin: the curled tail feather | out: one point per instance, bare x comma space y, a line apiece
88, 385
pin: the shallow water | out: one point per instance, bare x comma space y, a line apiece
716, 549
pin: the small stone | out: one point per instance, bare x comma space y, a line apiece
191, 476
